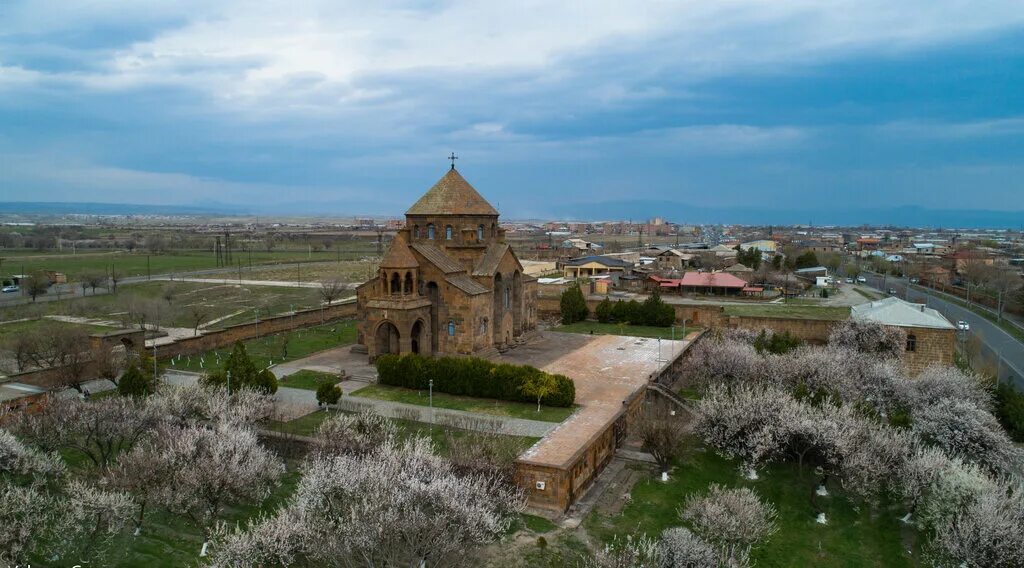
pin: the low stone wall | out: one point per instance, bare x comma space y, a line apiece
277, 324
714, 317
52, 377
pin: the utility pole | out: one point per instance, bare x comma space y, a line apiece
149, 273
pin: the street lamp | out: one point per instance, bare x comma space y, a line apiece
431, 398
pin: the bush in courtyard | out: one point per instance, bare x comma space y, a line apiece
243, 373
573, 305
328, 394
605, 311
134, 382
654, 311
777, 343
470, 376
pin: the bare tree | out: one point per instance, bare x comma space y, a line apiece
94, 280
1003, 282
36, 285
662, 435
197, 313
975, 271
169, 292
331, 290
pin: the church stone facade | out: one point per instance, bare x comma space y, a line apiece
449, 284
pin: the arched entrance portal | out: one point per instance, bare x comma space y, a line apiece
387, 338
416, 335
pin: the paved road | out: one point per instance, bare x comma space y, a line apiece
1001, 348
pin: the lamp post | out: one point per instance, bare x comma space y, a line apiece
431, 399
229, 382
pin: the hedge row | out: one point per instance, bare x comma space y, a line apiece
469, 376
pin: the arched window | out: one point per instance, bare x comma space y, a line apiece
407, 287
396, 283
911, 343
448, 233
430, 231
483, 325
480, 233
451, 328
416, 231
508, 297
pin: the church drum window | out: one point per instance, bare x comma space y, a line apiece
480, 233
451, 328
448, 233
430, 231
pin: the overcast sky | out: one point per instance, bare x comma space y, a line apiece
351, 108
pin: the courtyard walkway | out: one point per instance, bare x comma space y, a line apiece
302, 401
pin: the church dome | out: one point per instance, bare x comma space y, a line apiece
452, 195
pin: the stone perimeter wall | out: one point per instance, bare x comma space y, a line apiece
50, 378
714, 317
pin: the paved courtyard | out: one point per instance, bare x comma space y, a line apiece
607, 370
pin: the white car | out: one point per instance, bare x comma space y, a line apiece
8, 289
963, 326
849, 280
861, 279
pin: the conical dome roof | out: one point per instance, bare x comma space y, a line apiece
452, 195
399, 255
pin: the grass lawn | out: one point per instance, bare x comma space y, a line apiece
869, 295
832, 313
263, 350
598, 328
856, 535
236, 304
11, 329
307, 425
140, 263
467, 403
309, 380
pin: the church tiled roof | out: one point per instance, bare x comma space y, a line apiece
490, 260
452, 195
399, 255
438, 258
466, 283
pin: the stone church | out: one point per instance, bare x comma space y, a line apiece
449, 284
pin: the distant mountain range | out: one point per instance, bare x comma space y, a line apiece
89, 208
905, 216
